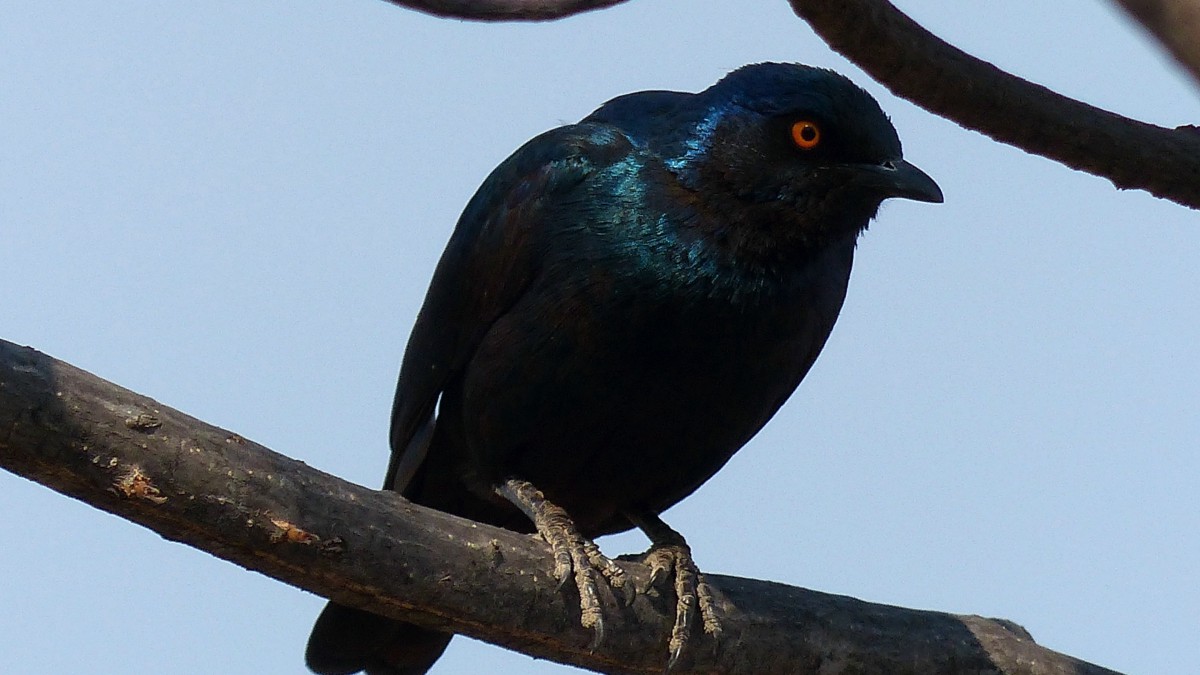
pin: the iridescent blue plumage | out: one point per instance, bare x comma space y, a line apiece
624, 303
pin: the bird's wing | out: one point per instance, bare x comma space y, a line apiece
490, 260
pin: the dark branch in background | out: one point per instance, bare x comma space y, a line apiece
1176, 24
922, 68
223, 494
918, 66
505, 10
216, 491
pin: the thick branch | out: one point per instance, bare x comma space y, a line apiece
919, 66
1176, 24
212, 489
505, 10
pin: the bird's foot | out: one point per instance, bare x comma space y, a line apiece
575, 556
671, 558
692, 593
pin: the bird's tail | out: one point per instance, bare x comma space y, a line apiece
345, 640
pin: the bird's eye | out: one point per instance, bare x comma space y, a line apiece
806, 134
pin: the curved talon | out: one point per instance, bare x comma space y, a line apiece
562, 560
562, 583
674, 660
670, 555
598, 635
661, 561
685, 600
575, 557
563, 571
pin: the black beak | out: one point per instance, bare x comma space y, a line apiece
898, 178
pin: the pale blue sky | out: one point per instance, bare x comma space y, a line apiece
234, 207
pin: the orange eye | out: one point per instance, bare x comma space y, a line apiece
806, 134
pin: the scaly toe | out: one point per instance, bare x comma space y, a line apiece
591, 612
692, 595
708, 608
685, 603
611, 570
670, 553
575, 556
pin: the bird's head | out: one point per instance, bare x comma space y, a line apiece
801, 151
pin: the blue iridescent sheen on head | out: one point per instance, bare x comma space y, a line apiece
696, 143
682, 132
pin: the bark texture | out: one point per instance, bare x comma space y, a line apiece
219, 492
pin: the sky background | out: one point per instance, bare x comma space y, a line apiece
235, 207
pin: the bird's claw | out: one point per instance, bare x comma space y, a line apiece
661, 561
670, 555
605, 565
674, 660
575, 556
692, 593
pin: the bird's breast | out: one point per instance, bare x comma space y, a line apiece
637, 379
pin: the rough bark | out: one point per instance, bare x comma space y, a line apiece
219, 492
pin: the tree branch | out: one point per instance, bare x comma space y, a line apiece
505, 10
917, 65
1175, 23
214, 490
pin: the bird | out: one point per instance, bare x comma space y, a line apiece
622, 305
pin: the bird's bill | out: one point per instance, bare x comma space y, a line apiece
898, 178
